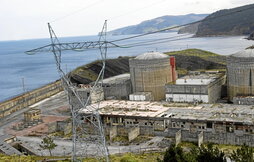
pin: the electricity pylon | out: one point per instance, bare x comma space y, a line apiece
88, 139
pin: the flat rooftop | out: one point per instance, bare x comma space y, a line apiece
198, 79
116, 79
213, 112
129, 108
217, 112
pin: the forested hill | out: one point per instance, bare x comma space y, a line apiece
158, 23
239, 23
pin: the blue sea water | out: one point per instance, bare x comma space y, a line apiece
40, 69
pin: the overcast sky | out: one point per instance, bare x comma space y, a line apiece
27, 19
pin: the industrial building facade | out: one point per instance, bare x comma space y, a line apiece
222, 123
205, 87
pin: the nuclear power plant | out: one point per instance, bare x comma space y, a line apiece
240, 74
152, 100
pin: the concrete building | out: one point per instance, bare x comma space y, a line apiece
217, 123
84, 92
150, 72
240, 74
243, 100
141, 96
32, 115
205, 87
117, 87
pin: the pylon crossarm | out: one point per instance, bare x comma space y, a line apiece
74, 46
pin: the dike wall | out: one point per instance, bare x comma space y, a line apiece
12, 105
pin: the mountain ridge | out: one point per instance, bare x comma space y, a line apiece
238, 21
158, 23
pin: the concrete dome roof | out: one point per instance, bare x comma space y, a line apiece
151, 56
244, 53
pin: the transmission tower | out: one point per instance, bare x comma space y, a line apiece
87, 139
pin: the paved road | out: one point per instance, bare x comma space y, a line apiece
64, 147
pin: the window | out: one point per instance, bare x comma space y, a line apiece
209, 125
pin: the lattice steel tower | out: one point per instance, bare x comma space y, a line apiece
87, 140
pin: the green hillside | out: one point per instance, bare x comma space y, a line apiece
190, 59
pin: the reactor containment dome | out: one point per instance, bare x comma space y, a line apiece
150, 72
240, 74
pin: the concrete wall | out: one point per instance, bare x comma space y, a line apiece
178, 137
186, 89
190, 93
120, 90
219, 138
186, 98
84, 93
133, 133
64, 126
214, 89
200, 138
52, 127
112, 132
243, 100
12, 105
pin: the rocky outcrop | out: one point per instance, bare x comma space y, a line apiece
251, 36
191, 29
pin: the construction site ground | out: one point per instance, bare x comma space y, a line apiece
54, 109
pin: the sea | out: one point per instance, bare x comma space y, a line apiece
20, 72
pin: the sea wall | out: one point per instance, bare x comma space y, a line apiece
22, 101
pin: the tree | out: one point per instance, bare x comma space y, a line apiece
243, 154
210, 153
174, 154
47, 143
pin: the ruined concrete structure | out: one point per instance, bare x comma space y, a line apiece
117, 87
141, 96
240, 74
243, 100
150, 71
32, 115
220, 123
205, 87
84, 92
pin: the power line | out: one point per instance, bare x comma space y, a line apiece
164, 41
112, 44
179, 26
77, 11
136, 10
155, 40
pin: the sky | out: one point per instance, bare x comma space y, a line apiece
27, 19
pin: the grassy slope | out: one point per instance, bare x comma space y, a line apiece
196, 59
127, 157
190, 59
